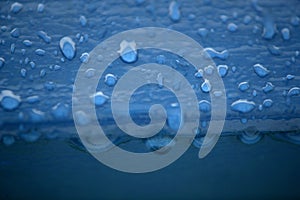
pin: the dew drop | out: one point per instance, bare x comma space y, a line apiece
67, 46
206, 86
84, 58
128, 51
243, 106
243, 86
9, 101
99, 98
16, 7
285, 33
268, 87
260, 70
204, 106
174, 11
110, 79
223, 70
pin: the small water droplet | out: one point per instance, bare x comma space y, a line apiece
99, 98
211, 53
295, 91
40, 52
15, 33
243, 86
82, 20
204, 106
8, 140
23, 72
232, 27
44, 36
16, 7
206, 86
2, 62
203, 32
285, 33
40, 8
268, 87
267, 103
223, 70
81, 118
60, 111
84, 58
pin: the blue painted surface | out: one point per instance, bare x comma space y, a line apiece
42, 45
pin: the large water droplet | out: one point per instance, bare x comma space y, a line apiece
67, 46
243, 106
174, 11
243, 86
44, 36
204, 106
16, 7
206, 86
110, 79
9, 101
61, 111
268, 87
128, 51
260, 70
99, 98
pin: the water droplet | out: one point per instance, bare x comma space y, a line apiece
2, 62
203, 32
206, 86
204, 106
244, 120
254, 93
8, 140
269, 28
40, 52
15, 33
247, 19
33, 99
224, 18
27, 43
268, 87
44, 36
267, 103
211, 53
285, 33
40, 8
128, 51
84, 58
174, 117
232, 27
99, 98
199, 73
174, 11
161, 59
110, 79
67, 46
243, 106
260, 70
295, 21
243, 86
89, 73
50, 86
209, 70
23, 72
82, 20
274, 50
81, 118
290, 77
295, 91
223, 70
60, 111
36, 116
16, 7
32, 64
